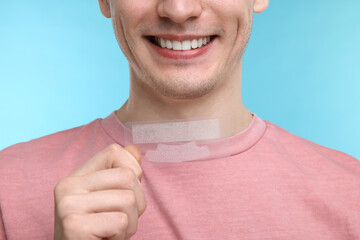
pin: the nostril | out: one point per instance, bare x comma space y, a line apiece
180, 11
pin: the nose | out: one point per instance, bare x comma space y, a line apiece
179, 11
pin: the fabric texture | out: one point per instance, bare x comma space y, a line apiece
274, 185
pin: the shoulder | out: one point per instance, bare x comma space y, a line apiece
307, 152
324, 181
42, 144
46, 151
30, 170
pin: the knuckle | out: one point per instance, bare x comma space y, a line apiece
66, 202
124, 178
130, 198
70, 223
132, 230
73, 227
140, 172
114, 149
143, 208
63, 186
123, 222
59, 187
129, 174
65, 206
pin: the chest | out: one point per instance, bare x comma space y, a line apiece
237, 205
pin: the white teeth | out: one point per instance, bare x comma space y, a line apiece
182, 45
162, 43
176, 45
194, 43
200, 42
186, 45
168, 44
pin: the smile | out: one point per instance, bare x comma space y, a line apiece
183, 45
180, 48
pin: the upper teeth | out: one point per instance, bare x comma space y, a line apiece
182, 45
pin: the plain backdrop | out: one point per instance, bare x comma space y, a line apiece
60, 67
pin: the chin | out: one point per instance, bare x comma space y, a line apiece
184, 93
184, 88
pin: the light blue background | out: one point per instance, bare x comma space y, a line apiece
60, 67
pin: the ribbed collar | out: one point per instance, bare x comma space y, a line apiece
235, 144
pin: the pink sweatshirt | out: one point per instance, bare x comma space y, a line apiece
275, 185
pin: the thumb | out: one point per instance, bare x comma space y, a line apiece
135, 151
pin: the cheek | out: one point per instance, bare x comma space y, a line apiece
130, 13
235, 16
122, 19
120, 34
126, 17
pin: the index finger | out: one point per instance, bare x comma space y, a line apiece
114, 156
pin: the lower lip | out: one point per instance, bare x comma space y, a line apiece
182, 54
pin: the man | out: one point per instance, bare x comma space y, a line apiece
185, 63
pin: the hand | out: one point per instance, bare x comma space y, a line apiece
102, 199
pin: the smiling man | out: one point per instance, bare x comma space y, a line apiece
253, 180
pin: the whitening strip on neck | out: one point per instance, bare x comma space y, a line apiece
177, 141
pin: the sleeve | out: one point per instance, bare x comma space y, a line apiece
2, 227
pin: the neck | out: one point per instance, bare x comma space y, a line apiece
223, 103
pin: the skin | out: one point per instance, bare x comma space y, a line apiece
206, 87
104, 198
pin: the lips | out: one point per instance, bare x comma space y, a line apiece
181, 47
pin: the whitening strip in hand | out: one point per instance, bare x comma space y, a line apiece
178, 141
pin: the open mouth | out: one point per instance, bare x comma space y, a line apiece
181, 45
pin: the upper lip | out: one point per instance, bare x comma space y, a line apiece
179, 37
